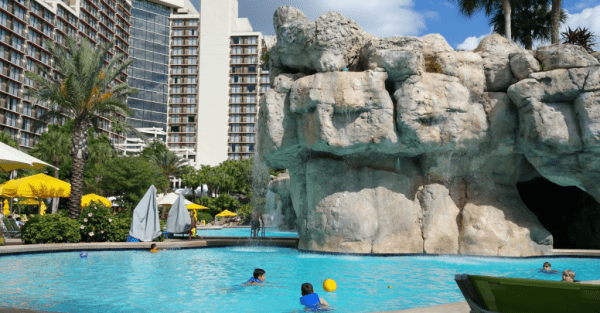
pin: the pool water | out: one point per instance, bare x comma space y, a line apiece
243, 232
204, 280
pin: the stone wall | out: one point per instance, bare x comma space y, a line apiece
387, 156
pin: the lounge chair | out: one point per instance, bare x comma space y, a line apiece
12, 230
486, 294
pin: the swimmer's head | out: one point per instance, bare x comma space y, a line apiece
259, 274
547, 266
307, 288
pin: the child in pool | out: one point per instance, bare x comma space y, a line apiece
548, 269
569, 276
258, 278
153, 248
311, 301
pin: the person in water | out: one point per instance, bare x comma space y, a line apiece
258, 278
548, 268
569, 276
312, 301
153, 248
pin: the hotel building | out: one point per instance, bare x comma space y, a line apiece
198, 72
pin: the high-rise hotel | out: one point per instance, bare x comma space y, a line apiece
198, 72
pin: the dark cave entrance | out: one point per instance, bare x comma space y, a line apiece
570, 214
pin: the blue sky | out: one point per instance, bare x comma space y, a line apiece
409, 17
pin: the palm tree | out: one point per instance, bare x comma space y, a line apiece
53, 147
556, 19
469, 7
170, 165
531, 21
82, 88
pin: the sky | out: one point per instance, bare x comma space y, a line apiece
411, 17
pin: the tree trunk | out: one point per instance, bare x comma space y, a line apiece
554, 34
507, 12
528, 42
55, 200
78, 152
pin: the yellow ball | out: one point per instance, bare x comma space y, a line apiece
329, 285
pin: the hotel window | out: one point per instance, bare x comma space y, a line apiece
175, 119
27, 109
193, 23
251, 50
18, 28
192, 32
189, 138
20, 13
251, 98
15, 73
235, 108
265, 88
193, 50
176, 89
250, 147
236, 40
176, 109
250, 118
250, 138
235, 156
191, 60
235, 118
250, 128
26, 124
11, 119
25, 139
13, 89
191, 79
251, 40
235, 147
235, 137
235, 79
235, 128
192, 41
191, 99
236, 99
252, 69
236, 50
175, 138
177, 60
178, 32
236, 60
177, 79
251, 59
178, 41
177, 51
250, 108
191, 70
251, 88
236, 88
176, 99
178, 22
17, 43
189, 129
191, 108
190, 119
264, 79
251, 79
12, 104
191, 89
177, 70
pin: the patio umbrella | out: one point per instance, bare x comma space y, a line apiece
145, 225
194, 206
6, 208
170, 198
37, 186
29, 202
89, 198
179, 220
226, 213
14, 159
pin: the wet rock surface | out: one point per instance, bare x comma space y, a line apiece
419, 148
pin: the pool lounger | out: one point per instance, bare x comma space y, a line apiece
11, 228
486, 294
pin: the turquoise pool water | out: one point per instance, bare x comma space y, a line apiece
244, 232
203, 280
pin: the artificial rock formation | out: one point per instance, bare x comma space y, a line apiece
393, 157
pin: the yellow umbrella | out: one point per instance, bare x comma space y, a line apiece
29, 202
6, 208
194, 206
37, 186
226, 213
87, 200
43, 209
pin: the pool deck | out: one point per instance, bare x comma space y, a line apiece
16, 246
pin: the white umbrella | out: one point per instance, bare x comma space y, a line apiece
170, 198
13, 159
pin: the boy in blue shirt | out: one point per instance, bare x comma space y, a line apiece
258, 278
311, 300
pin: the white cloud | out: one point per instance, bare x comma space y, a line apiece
588, 18
382, 18
472, 42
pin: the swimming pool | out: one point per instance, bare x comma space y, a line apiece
243, 232
203, 280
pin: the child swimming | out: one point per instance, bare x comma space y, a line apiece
311, 301
547, 268
258, 278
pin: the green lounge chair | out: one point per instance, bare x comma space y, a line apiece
12, 230
486, 294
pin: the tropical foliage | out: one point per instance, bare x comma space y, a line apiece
99, 225
580, 36
82, 88
50, 228
531, 20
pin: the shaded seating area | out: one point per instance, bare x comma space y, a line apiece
11, 230
486, 294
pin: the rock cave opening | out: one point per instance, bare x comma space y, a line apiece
570, 214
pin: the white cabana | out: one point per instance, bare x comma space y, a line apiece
170, 198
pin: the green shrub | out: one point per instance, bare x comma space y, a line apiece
98, 224
204, 216
1, 241
51, 228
